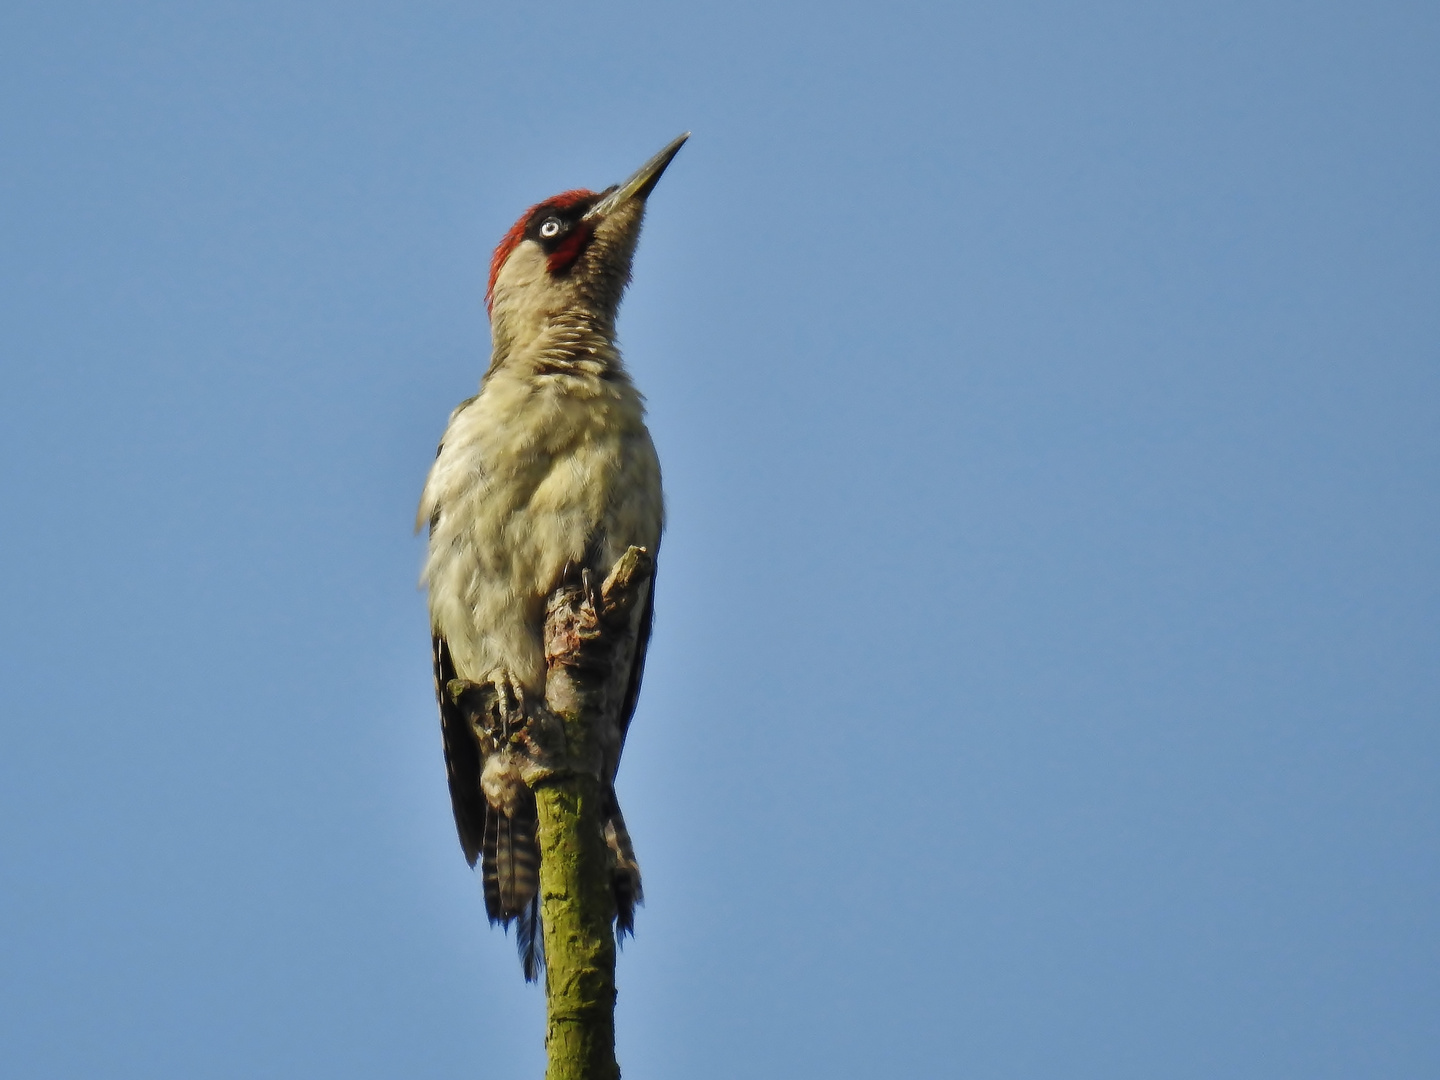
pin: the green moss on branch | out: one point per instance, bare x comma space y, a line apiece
590, 638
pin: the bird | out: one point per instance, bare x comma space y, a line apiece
548, 471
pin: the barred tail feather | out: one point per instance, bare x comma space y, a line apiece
625, 869
510, 877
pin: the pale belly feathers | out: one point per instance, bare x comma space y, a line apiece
535, 474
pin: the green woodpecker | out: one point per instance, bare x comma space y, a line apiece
547, 471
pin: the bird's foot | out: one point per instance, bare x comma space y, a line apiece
495, 705
515, 730
506, 705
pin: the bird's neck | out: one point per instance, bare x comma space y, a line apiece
575, 341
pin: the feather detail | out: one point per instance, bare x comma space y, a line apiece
462, 758
510, 861
530, 940
624, 868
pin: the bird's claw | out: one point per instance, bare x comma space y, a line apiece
506, 711
495, 706
589, 589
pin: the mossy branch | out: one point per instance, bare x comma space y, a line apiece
590, 641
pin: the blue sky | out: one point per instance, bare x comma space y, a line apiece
1045, 677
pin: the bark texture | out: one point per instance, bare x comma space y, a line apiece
590, 640
577, 910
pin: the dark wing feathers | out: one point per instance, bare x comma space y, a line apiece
637, 666
462, 758
625, 880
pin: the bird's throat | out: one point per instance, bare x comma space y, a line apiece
572, 343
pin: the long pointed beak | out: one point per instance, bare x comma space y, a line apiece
639, 185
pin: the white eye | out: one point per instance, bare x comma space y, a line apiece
550, 227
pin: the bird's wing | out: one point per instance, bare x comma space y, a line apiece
637, 665
462, 758
462, 754
625, 872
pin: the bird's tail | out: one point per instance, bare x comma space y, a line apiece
510, 873
530, 939
510, 876
624, 869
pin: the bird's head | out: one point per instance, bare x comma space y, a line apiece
570, 253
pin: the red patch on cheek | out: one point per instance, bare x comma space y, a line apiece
569, 250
